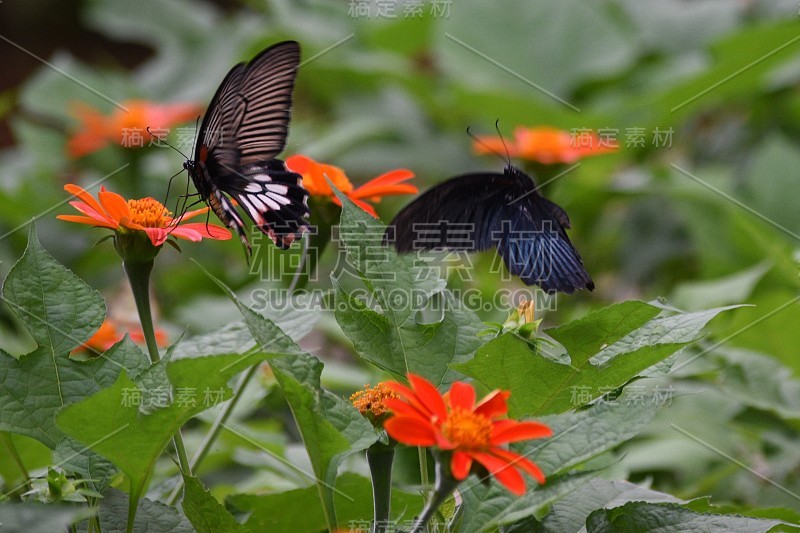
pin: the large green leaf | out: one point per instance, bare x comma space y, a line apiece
391, 334
151, 517
607, 348
61, 313
577, 438
298, 511
112, 423
667, 517
570, 512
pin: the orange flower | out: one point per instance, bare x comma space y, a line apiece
547, 145
97, 130
471, 432
314, 174
146, 215
111, 332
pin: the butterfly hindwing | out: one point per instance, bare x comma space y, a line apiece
496, 210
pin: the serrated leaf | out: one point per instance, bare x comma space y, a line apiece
606, 349
298, 511
570, 512
485, 507
61, 312
389, 334
577, 438
205, 513
669, 517
151, 517
582, 435
132, 439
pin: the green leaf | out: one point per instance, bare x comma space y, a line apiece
391, 334
606, 349
582, 435
664, 517
485, 507
40, 518
731, 289
61, 313
111, 423
205, 513
570, 513
331, 428
151, 516
298, 511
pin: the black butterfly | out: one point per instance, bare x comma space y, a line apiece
485, 210
243, 131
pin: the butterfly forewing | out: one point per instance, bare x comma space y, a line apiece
243, 131
267, 100
502, 210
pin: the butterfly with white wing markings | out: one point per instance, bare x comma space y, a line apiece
243, 131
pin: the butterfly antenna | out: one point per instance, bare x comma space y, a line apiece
153, 135
502, 140
488, 148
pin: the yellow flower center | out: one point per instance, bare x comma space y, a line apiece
467, 430
370, 400
149, 213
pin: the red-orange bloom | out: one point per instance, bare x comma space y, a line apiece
314, 174
112, 211
547, 145
471, 432
111, 332
124, 127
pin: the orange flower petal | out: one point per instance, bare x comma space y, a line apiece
486, 144
428, 395
462, 396
460, 465
507, 475
386, 184
209, 231
159, 235
506, 431
89, 221
116, 207
522, 462
410, 430
411, 397
494, 404
84, 197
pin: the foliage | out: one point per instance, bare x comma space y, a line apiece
673, 390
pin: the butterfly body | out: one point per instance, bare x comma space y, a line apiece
479, 211
242, 132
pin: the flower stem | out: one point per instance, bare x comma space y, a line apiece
380, 458
445, 485
138, 273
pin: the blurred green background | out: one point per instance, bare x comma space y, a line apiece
700, 206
